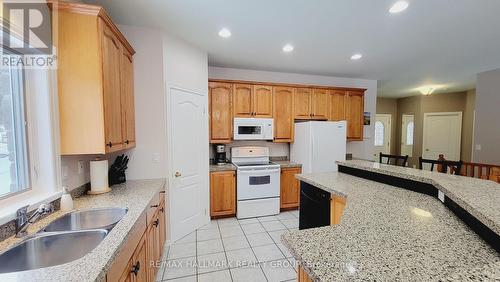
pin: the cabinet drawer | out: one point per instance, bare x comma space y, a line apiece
154, 204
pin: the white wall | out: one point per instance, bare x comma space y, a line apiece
486, 130
160, 60
148, 158
359, 149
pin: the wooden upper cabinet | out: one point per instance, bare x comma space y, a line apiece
302, 103
336, 104
252, 101
263, 101
242, 100
95, 82
319, 104
355, 112
221, 117
111, 56
128, 103
283, 114
222, 193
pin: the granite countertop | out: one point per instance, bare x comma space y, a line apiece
134, 194
230, 166
287, 164
224, 167
389, 233
480, 198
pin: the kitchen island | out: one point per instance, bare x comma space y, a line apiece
391, 233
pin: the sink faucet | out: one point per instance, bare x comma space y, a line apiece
22, 220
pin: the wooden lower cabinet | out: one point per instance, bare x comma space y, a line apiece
302, 275
137, 261
290, 188
337, 205
153, 243
222, 193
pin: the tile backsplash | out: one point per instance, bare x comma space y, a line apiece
275, 149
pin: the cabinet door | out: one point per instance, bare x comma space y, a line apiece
162, 226
290, 188
242, 100
319, 104
140, 262
283, 114
111, 55
127, 275
222, 193
221, 117
152, 247
336, 105
302, 103
355, 108
127, 94
262, 101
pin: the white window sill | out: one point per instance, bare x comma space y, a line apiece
9, 206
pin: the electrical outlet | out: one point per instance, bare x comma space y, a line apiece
81, 168
65, 171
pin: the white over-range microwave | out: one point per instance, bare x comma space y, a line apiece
253, 129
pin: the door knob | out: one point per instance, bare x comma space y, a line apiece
427, 150
177, 174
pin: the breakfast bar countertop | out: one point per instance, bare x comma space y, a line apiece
134, 195
480, 198
389, 233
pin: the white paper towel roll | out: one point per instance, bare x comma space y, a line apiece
99, 176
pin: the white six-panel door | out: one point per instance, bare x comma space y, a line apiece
188, 161
442, 135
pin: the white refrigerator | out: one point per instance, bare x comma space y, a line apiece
318, 144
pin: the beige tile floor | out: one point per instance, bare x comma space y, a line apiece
233, 250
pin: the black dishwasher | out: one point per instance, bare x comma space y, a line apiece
314, 207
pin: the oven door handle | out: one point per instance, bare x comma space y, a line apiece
266, 170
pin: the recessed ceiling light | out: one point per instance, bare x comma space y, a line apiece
356, 57
398, 7
225, 33
288, 48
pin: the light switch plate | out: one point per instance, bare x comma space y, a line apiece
156, 158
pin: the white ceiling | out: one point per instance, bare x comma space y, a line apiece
445, 42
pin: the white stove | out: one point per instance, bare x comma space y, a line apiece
257, 182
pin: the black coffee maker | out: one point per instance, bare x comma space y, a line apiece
220, 154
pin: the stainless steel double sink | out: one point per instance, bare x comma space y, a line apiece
67, 238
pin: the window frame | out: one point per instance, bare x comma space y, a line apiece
383, 134
20, 110
412, 133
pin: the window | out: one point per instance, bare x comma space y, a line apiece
409, 133
14, 169
379, 133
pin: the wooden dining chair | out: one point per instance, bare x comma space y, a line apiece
442, 165
394, 159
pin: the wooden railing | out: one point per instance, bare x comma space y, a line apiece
483, 171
